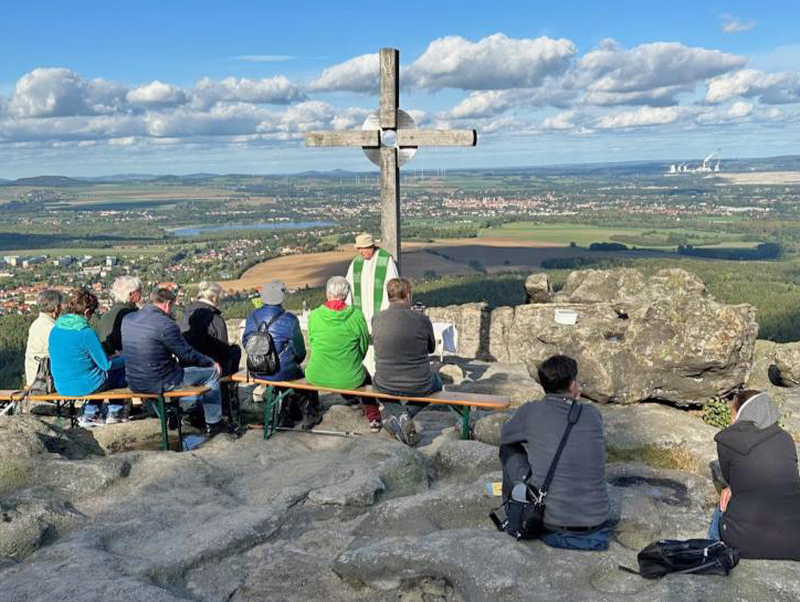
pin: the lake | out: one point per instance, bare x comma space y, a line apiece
195, 230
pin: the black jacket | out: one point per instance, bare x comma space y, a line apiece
151, 342
763, 516
109, 330
204, 328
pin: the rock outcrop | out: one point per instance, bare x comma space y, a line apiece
636, 338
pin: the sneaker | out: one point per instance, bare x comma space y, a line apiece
409, 430
117, 413
91, 421
375, 426
220, 427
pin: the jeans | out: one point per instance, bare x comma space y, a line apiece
210, 401
115, 379
713, 528
590, 541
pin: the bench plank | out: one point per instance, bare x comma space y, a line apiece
7, 395
458, 398
118, 394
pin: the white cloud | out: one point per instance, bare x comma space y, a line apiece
156, 94
561, 121
650, 74
492, 63
731, 24
358, 74
270, 90
769, 88
57, 92
223, 119
643, 116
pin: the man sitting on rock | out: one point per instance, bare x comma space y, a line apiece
576, 505
403, 339
152, 344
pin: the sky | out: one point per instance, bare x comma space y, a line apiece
97, 88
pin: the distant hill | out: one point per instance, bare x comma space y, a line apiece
44, 181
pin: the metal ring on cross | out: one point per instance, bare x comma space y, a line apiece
389, 137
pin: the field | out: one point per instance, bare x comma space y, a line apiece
762, 178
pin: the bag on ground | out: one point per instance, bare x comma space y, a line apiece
695, 556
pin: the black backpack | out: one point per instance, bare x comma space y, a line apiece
263, 358
695, 556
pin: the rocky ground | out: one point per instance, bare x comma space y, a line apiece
310, 517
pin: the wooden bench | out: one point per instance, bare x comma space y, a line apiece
459, 403
163, 402
7, 398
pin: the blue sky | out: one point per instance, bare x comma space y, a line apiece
93, 88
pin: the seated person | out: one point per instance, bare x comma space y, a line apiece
151, 342
37, 347
288, 338
338, 336
204, 328
577, 504
127, 293
403, 339
78, 361
759, 511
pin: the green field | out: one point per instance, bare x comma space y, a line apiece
562, 234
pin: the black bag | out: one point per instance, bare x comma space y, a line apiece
695, 556
262, 356
525, 518
43, 381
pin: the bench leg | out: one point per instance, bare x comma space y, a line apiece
161, 410
272, 409
73, 419
463, 412
178, 414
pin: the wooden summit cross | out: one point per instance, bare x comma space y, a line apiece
390, 138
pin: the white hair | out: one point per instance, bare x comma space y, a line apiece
337, 288
210, 291
124, 286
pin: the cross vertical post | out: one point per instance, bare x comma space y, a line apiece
390, 203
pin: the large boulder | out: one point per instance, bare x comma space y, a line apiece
471, 322
635, 338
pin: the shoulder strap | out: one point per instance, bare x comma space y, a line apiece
275, 318
574, 414
358, 267
380, 278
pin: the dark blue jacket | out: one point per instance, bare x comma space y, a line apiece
151, 342
288, 339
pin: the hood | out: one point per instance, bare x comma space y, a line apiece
332, 316
742, 437
760, 410
71, 322
195, 305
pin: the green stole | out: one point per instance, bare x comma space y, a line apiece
380, 277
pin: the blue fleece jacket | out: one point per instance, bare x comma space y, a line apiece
77, 359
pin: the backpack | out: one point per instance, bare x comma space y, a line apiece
525, 506
43, 381
262, 355
696, 556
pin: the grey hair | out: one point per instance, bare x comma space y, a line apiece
49, 300
123, 287
337, 288
209, 290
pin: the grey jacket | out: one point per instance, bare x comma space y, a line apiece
578, 495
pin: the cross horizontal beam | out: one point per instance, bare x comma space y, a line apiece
367, 138
437, 138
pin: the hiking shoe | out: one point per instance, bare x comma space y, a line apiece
220, 427
375, 426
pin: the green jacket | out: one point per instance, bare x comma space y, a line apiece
339, 342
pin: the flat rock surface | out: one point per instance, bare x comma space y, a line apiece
310, 517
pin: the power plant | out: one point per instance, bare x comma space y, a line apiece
704, 167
